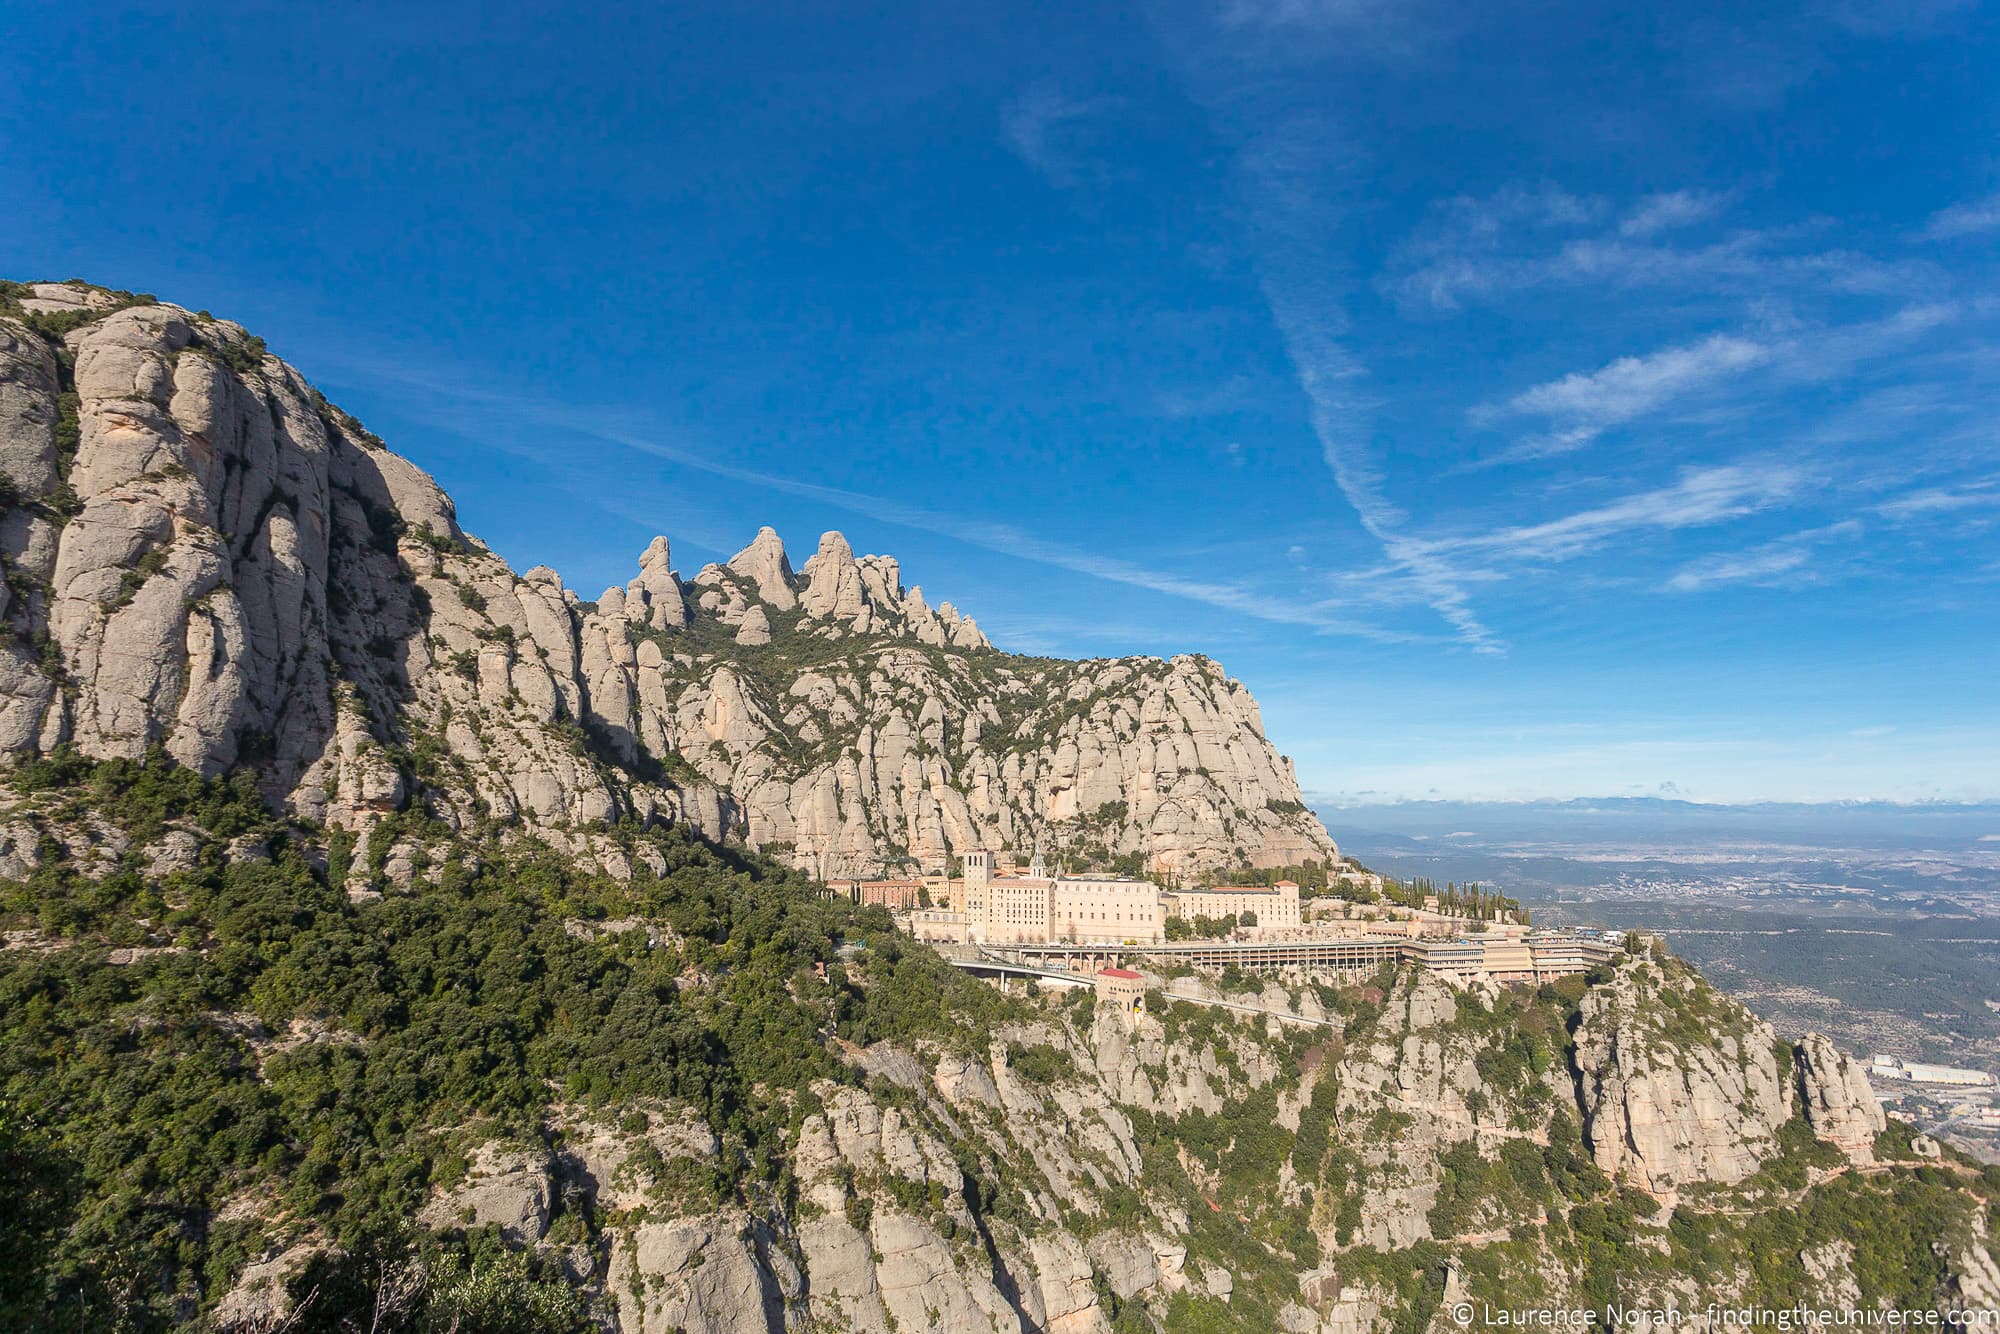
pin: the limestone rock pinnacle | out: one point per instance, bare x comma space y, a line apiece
657, 590
834, 591
764, 564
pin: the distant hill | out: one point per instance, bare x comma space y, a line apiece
1658, 819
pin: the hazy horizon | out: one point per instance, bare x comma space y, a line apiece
1960, 835
1369, 801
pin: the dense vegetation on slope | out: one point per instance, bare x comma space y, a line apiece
243, 1025
247, 1036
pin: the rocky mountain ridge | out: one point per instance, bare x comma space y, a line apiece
703, 1098
205, 555
1481, 1182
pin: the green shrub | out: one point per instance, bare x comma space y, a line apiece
1041, 1064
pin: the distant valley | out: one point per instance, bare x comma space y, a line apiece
1875, 922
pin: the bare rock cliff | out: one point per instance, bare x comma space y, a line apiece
202, 554
1677, 1086
1839, 1105
1680, 1085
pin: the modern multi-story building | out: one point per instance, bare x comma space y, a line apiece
1560, 953
1457, 961
1507, 956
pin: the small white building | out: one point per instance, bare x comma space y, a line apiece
1915, 1072
1123, 990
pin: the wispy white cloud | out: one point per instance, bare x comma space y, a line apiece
1470, 245
1941, 500
1033, 127
1785, 562
1476, 250
1516, 208
1700, 497
1583, 403
1768, 566
1448, 278
1672, 209
1329, 375
1831, 350
1544, 445
1974, 217
1280, 170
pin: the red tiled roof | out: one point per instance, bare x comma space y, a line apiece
1126, 973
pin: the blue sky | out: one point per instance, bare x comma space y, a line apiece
1524, 400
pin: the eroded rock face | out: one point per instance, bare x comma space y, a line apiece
1412, 1063
1831, 1270
234, 570
28, 412
766, 566
1668, 1106
718, 1274
1972, 1278
259, 1299
755, 628
656, 592
1839, 1104
953, 1192
507, 1185
237, 572
843, 756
